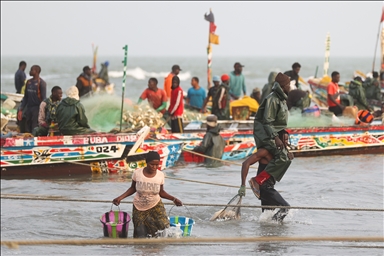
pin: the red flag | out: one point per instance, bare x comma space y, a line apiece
212, 27
382, 16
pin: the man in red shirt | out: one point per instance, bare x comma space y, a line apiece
334, 95
157, 97
168, 80
176, 107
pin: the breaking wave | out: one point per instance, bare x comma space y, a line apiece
141, 74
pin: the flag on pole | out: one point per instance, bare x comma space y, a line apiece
213, 38
327, 48
382, 15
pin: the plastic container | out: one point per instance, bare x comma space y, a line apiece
192, 158
115, 223
184, 223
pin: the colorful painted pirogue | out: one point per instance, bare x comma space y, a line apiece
64, 156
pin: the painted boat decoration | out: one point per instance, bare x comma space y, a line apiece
314, 141
64, 156
232, 152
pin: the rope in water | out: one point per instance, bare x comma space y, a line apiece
56, 198
16, 243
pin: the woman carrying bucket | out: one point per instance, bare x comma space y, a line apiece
148, 214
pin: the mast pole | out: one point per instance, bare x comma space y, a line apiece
125, 48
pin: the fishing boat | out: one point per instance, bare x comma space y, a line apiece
319, 90
306, 141
66, 156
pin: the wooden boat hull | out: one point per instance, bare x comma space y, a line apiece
64, 156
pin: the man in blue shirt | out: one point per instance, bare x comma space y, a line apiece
196, 95
20, 76
35, 93
237, 82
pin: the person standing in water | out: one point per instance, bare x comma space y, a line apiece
148, 213
266, 193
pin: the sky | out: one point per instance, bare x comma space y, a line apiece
179, 28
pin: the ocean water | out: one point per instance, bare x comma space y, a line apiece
333, 181
326, 182
63, 70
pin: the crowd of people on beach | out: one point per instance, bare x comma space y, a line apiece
41, 115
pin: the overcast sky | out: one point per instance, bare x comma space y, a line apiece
179, 28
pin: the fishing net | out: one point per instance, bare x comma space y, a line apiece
104, 111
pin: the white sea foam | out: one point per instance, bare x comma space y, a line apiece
140, 74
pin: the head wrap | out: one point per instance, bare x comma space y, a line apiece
224, 77
73, 92
282, 79
152, 155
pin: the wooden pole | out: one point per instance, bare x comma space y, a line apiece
377, 40
209, 54
125, 48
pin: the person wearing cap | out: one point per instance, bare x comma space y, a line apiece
272, 117
168, 80
294, 73
213, 144
256, 95
176, 106
84, 82
157, 97
70, 115
196, 95
148, 211
333, 91
237, 82
211, 93
266, 193
220, 102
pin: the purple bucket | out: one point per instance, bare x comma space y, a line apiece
115, 223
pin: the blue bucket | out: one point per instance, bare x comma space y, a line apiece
184, 223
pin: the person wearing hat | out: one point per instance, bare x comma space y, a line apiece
220, 102
84, 82
70, 115
266, 193
168, 80
211, 92
256, 95
272, 117
148, 211
213, 144
237, 82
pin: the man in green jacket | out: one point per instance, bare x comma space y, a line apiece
213, 144
272, 117
70, 115
356, 90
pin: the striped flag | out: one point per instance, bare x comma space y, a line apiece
213, 38
327, 48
